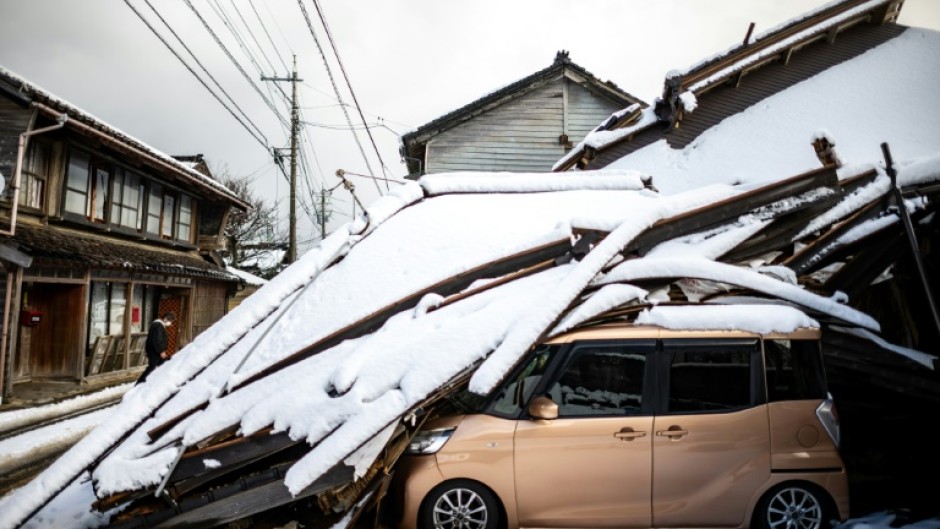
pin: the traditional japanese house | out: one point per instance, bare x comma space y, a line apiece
100, 234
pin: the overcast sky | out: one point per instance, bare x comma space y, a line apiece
408, 61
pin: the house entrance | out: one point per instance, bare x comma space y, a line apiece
172, 304
50, 333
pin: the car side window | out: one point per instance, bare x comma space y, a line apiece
794, 370
515, 394
601, 380
709, 377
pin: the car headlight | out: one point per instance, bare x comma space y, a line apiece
429, 441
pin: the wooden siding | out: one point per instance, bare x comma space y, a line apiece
726, 100
55, 343
586, 110
208, 305
14, 120
521, 135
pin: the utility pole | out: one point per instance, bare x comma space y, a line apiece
294, 131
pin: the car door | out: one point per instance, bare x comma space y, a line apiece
591, 466
711, 444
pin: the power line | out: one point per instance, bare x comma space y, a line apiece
230, 25
265, 28
234, 62
252, 35
336, 89
263, 142
329, 36
204, 69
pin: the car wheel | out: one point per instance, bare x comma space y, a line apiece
460, 504
795, 506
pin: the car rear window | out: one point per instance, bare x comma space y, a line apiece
794, 370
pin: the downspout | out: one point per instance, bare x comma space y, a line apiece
7, 322
20, 152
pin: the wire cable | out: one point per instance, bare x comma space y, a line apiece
267, 34
237, 65
339, 97
329, 36
204, 69
262, 139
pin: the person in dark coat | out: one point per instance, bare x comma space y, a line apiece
156, 345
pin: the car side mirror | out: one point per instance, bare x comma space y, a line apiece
544, 408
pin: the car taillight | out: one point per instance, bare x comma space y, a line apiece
826, 412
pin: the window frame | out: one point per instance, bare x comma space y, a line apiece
120, 203
106, 207
69, 189
669, 347
32, 177
647, 347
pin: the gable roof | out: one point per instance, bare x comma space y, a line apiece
726, 83
27, 94
413, 143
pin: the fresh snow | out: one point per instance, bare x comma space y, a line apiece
772, 139
425, 233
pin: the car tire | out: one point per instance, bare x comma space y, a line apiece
460, 504
795, 506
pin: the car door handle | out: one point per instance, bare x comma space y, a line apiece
628, 434
674, 432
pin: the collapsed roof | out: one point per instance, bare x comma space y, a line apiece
310, 388
311, 376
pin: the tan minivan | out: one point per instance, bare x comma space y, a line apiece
630, 426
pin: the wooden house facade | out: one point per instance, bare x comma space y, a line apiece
523, 127
99, 233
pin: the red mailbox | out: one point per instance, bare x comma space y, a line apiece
31, 318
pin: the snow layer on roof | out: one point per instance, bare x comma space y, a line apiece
506, 182
777, 47
759, 319
89, 118
638, 269
249, 278
883, 95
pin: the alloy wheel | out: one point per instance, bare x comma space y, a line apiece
794, 508
460, 508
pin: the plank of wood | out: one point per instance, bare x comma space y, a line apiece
445, 288
728, 210
241, 500
814, 255
375, 320
779, 234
